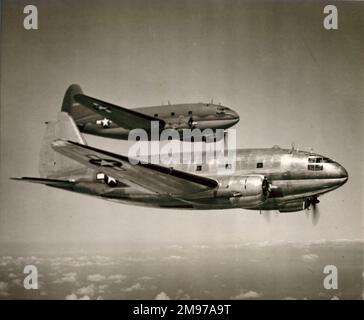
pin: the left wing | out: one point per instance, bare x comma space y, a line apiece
153, 177
65, 184
123, 117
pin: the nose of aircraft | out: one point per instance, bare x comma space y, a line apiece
234, 116
342, 174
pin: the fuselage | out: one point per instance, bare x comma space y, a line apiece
294, 176
176, 116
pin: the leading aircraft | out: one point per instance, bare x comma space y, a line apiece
101, 118
264, 179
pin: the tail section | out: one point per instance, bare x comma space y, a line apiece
76, 110
51, 163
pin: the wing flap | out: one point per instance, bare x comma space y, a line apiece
123, 117
153, 177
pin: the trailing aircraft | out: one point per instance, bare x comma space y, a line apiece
97, 117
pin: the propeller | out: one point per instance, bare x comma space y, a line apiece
191, 123
312, 203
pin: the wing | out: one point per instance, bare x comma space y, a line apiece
125, 118
153, 177
65, 184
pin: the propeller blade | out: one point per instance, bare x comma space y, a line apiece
315, 214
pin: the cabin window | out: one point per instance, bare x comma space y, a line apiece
100, 176
172, 114
199, 168
228, 166
260, 165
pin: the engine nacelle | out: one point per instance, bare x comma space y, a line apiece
245, 191
292, 206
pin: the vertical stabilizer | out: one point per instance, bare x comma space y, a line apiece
51, 163
77, 111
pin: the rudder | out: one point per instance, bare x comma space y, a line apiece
51, 163
77, 111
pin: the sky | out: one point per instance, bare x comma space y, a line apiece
289, 79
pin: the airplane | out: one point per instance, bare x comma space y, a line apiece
97, 117
264, 179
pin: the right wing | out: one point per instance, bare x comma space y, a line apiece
153, 177
123, 117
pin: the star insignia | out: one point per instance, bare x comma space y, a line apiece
104, 122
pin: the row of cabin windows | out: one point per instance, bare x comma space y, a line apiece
172, 114
311, 167
229, 166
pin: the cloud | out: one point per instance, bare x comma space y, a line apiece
103, 261
309, 257
248, 295
67, 278
101, 288
89, 290
17, 282
145, 278
73, 296
116, 278
162, 296
175, 246
134, 287
200, 246
5, 261
4, 289
173, 257
182, 295
96, 277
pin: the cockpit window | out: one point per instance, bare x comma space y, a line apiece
220, 110
327, 160
315, 167
314, 159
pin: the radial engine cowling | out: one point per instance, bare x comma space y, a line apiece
245, 191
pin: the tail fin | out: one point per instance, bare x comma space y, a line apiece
77, 111
51, 163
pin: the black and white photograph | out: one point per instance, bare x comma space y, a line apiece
181, 150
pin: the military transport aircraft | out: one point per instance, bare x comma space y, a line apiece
104, 119
264, 179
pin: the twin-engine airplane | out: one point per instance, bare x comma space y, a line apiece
264, 179
104, 119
